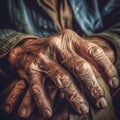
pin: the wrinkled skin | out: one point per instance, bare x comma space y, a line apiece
70, 62
27, 104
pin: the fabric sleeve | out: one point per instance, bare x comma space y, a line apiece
9, 38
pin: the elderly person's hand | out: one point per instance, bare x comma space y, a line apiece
20, 100
70, 62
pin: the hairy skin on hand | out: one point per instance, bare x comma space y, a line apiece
67, 59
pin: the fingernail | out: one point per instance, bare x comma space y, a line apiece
84, 108
7, 109
102, 103
47, 114
23, 112
114, 82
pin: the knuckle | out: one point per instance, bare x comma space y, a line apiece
36, 90
68, 87
31, 68
94, 88
64, 79
28, 96
96, 92
76, 97
21, 84
11, 98
110, 70
81, 68
28, 99
96, 52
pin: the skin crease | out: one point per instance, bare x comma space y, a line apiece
57, 57
105, 46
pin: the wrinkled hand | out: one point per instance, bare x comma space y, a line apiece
15, 96
70, 62
20, 99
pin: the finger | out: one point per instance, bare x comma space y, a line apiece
100, 59
26, 107
39, 94
85, 75
64, 81
35, 80
13, 97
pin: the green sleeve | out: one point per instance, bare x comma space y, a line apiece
9, 38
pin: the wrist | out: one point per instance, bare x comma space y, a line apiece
105, 46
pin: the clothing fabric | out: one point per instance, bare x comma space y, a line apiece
31, 18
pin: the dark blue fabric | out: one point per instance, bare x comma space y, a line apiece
90, 16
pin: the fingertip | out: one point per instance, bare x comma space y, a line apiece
7, 109
114, 82
81, 108
24, 113
47, 113
84, 108
102, 103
